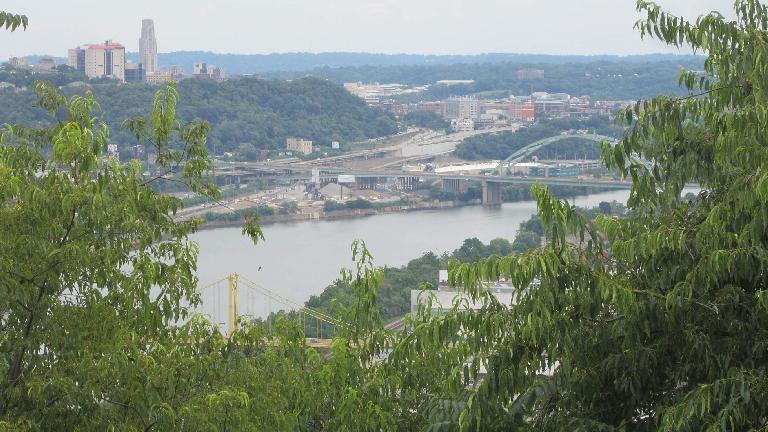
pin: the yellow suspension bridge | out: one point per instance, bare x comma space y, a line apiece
245, 300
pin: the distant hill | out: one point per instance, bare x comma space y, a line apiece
237, 64
622, 79
254, 113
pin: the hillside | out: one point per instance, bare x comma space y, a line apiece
257, 113
619, 79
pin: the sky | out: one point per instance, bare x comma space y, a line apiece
382, 26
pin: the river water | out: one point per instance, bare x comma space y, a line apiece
299, 259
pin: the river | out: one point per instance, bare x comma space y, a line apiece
298, 259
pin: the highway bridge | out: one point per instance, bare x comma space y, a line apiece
368, 178
409, 180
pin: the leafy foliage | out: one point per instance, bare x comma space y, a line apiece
426, 119
13, 21
652, 322
395, 290
26, 77
95, 270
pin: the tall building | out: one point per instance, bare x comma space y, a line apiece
99, 60
461, 107
76, 58
148, 47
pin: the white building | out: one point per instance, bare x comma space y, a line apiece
99, 60
445, 296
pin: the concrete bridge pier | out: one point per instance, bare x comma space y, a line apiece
407, 183
458, 186
491, 193
366, 182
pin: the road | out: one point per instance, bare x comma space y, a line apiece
424, 143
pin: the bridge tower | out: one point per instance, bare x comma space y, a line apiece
232, 322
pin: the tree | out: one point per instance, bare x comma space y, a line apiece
426, 119
95, 271
653, 322
526, 240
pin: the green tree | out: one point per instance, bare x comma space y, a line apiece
95, 271
526, 240
653, 322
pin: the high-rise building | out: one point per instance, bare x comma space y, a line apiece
99, 60
461, 107
76, 58
148, 47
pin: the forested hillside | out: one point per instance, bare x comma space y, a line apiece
257, 113
598, 78
503, 144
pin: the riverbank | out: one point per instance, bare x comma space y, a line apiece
342, 214
299, 260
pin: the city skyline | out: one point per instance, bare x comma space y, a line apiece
387, 26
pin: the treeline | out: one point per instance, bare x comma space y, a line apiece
261, 63
601, 79
426, 119
361, 204
26, 77
246, 115
502, 145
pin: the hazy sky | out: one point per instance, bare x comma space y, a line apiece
388, 26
